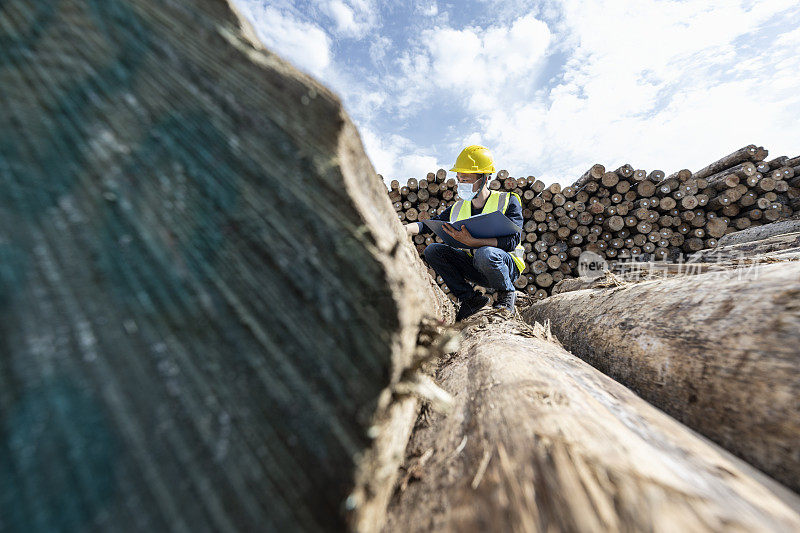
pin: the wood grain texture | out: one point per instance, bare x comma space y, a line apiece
760, 232
541, 441
747, 153
786, 243
718, 351
206, 295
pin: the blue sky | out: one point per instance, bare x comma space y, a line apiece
551, 87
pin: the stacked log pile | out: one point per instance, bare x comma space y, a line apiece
625, 214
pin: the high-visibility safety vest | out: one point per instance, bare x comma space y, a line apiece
497, 201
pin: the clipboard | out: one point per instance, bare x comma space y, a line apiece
483, 226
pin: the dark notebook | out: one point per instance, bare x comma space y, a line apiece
483, 226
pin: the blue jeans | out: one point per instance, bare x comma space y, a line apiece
488, 267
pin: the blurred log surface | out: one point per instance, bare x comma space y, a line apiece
205, 292
541, 441
718, 351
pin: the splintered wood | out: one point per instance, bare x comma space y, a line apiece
538, 440
623, 214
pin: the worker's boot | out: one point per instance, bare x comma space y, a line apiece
471, 305
505, 300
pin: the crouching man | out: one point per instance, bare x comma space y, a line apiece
495, 262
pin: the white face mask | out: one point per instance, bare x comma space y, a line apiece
465, 191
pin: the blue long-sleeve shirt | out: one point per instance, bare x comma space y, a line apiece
513, 212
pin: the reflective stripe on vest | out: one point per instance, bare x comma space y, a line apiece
497, 201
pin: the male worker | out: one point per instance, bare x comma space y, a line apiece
495, 262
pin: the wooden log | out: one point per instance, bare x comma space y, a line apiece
682, 345
609, 179
614, 223
777, 162
681, 175
593, 174
625, 170
540, 441
645, 188
750, 249
176, 354
723, 179
760, 232
741, 155
688, 202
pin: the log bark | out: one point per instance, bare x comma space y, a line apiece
731, 160
206, 294
760, 232
593, 174
718, 351
784, 242
743, 170
540, 441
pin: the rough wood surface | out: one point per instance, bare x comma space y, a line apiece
760, 232
205, 293
741, 155
718, 351
538, 440
787, 242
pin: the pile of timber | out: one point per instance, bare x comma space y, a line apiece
623, 215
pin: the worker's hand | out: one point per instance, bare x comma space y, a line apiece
463, 235
411, 229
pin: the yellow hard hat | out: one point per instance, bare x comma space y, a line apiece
474, 160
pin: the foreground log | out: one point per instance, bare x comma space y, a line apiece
205, 298
718, 351
540, 441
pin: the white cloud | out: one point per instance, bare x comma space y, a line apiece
668, 85
343, 16
304, 44
397, 157
657, 83
378, 48
353, 18
468, 59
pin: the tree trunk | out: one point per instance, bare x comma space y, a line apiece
731, 160
538, 440
206, 295
786, 243
760, 232
718, 351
